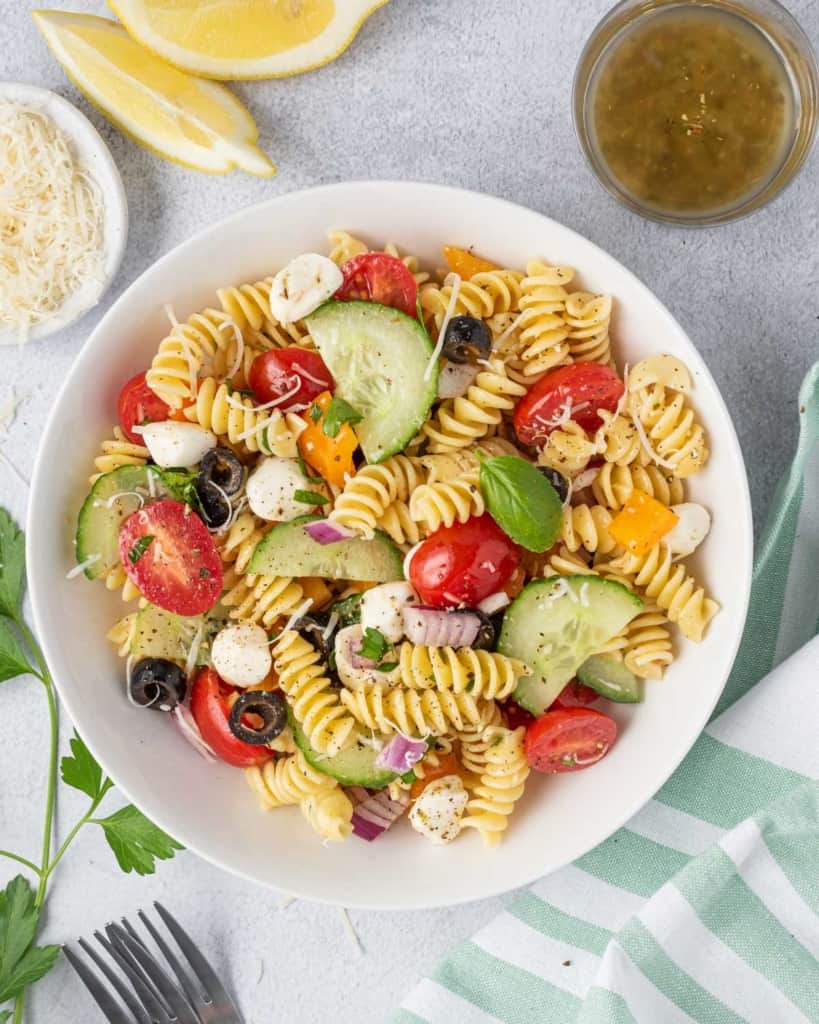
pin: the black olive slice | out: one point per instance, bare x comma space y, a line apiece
157, 683
467, 340
267, 705
221, 467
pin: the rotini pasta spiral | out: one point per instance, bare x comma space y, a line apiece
566, 563
261, 599
412, 712
482, 674
248, 305
119, 451
587, 317
618, 441
368, 494
667, 584
613, 485
240, 541
399, 525
568, 450
329, 813
648, 650
473, 743
117, 579
482, 296
287, 781
543, 337
315, 703
343, 246
500, 787
237, 418
189, 348
460, 422
587, 526
444, 503
678, 439
122, 633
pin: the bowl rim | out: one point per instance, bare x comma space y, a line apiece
39, 592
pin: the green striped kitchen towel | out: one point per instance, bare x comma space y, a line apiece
705, 906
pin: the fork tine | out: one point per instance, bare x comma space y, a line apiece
130, 968
102, 997
200, 966
121, 988
173, 998
195, 997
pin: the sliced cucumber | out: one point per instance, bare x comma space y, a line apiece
113, 498
353, 766
159, 634
554, 625
289, 551
611, 679
379, 359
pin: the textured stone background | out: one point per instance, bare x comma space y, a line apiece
467, 94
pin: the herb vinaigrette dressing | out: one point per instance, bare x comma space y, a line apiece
692, 110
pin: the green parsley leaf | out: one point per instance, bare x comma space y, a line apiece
21, 963
12, 566
315, 412
139, 549
181, 485
310, 497
386, 666
13, 658
374, 645
137, 843
305, 472
81, 771
338, 413
521, 501
5, 1016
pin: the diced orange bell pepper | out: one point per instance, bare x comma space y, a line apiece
332, 457
642, 523
317, 590
447, 765
464, 263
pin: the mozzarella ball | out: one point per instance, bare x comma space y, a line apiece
177, 444
271, 488
302, 286
691, 529
241, 654
382, 608
437, 812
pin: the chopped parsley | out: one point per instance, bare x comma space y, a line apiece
376, 647
338, 413
310, 498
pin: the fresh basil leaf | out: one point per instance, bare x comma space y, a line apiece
21, 963
137, 843
310, 497
305, 472
338, 413
13, 658
81, 771
374, 645
181, 485
12, 566
386, 666
315, 412
521, 501
139, 549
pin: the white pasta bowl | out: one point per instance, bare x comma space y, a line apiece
209, 808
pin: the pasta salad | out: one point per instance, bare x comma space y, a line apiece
389, 540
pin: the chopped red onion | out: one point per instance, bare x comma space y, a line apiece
435, 628
400, 754
374, 813
186, 724
325, 532
494, 603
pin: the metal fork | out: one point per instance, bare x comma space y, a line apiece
196, 997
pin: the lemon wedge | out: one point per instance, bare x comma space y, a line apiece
195, 123
245, 38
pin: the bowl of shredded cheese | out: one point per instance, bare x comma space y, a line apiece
63, 214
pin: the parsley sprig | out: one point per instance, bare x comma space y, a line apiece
135, 841
377, 647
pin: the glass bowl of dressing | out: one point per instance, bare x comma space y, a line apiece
696, 111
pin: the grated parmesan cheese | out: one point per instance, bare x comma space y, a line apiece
51, 220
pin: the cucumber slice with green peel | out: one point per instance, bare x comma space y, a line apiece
290, 551
379, 359
113, 498
160, 634
353, 766
555, 624
611, 679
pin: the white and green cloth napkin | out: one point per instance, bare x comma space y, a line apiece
705, 906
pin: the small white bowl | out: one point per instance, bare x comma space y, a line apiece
95, 157
209, 807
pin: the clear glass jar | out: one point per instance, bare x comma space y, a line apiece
793, 49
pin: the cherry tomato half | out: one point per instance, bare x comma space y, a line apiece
210, 708
138, 405
581, 388
278, 371
569, 739
463, 564
170, 557
575, 695
377, 277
